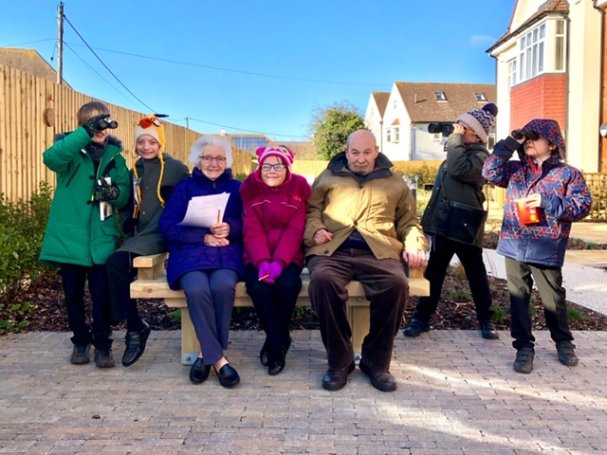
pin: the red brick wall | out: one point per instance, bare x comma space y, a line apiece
544, 96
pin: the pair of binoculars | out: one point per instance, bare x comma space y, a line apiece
525, 134
107, 123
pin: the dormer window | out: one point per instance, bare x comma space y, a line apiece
480, 96
440, 96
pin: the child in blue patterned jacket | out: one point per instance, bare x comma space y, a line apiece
543, 197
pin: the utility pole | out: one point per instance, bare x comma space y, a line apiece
60, 44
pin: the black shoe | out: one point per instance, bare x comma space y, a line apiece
276, 366
381, 380
199, 372
264, 355
335, 379
80, 354
524, 360
135, 345
228, 376
488, 330
566, 351
104, 358
416, 327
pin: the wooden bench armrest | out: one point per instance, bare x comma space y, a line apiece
150, 267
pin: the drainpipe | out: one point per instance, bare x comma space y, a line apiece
602, 89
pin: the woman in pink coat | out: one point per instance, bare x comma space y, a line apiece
274, 216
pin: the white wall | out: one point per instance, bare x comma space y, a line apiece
583, 114
425, 145
401, 150
373, 119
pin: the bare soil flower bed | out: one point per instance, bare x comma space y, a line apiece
455, 310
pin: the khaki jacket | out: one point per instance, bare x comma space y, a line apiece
379, 206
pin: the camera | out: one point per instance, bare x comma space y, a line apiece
525, 134
108, 123
444, 128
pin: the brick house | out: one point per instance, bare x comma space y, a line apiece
549, 65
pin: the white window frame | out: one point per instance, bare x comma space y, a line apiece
539, 50
388, 135
440, 96
396, 134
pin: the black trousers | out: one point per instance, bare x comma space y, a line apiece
274, 304
121, 273
74, 278
471, 258
387, 288
549, 281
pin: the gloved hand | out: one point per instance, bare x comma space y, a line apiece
264, 270
99, 123
105, 192
276, 269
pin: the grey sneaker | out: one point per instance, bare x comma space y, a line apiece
80, 354
104, 358
566, 351
524, 360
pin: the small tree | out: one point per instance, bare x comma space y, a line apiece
331, 127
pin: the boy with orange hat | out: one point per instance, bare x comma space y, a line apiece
153, 177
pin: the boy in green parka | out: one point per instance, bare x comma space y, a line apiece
82, 232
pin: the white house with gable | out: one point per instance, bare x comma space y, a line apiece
402, 130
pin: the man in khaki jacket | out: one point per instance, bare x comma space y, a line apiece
361, 222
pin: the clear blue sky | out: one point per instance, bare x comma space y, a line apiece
258, 65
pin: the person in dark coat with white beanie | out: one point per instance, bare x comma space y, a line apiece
454, 218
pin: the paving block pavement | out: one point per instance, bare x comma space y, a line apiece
457, 394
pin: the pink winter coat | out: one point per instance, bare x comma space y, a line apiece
274, 219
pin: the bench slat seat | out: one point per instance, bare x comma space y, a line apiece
151, 283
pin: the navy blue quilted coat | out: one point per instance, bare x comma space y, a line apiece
187, 251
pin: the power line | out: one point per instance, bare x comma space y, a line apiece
244, 130
93, 69
105, 66
238, 71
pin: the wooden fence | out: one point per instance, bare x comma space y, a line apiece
34, 110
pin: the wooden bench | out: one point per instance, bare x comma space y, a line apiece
151, 284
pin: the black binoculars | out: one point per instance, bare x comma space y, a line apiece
525, 134
444, 128
107, 123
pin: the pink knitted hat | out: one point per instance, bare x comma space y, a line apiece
281, 151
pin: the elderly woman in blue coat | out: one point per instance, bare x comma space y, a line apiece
206, 261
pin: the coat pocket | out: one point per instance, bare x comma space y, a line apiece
465, 222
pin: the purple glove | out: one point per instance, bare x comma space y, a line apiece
264, 271
275, 271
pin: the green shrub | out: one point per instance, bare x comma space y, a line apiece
499, 315
21, 233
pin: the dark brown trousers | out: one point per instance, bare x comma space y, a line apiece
386, 287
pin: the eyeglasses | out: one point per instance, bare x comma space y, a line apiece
277, 167
146, 122
208, 159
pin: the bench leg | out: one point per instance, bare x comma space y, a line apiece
190, 348
358, 316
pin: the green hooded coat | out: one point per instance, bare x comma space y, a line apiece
75, 233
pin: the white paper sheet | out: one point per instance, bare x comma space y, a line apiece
204, 211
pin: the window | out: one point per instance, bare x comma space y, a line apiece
388, 135
531, 53
480, 96
440, 96
512, 72
396, 134
559, 46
